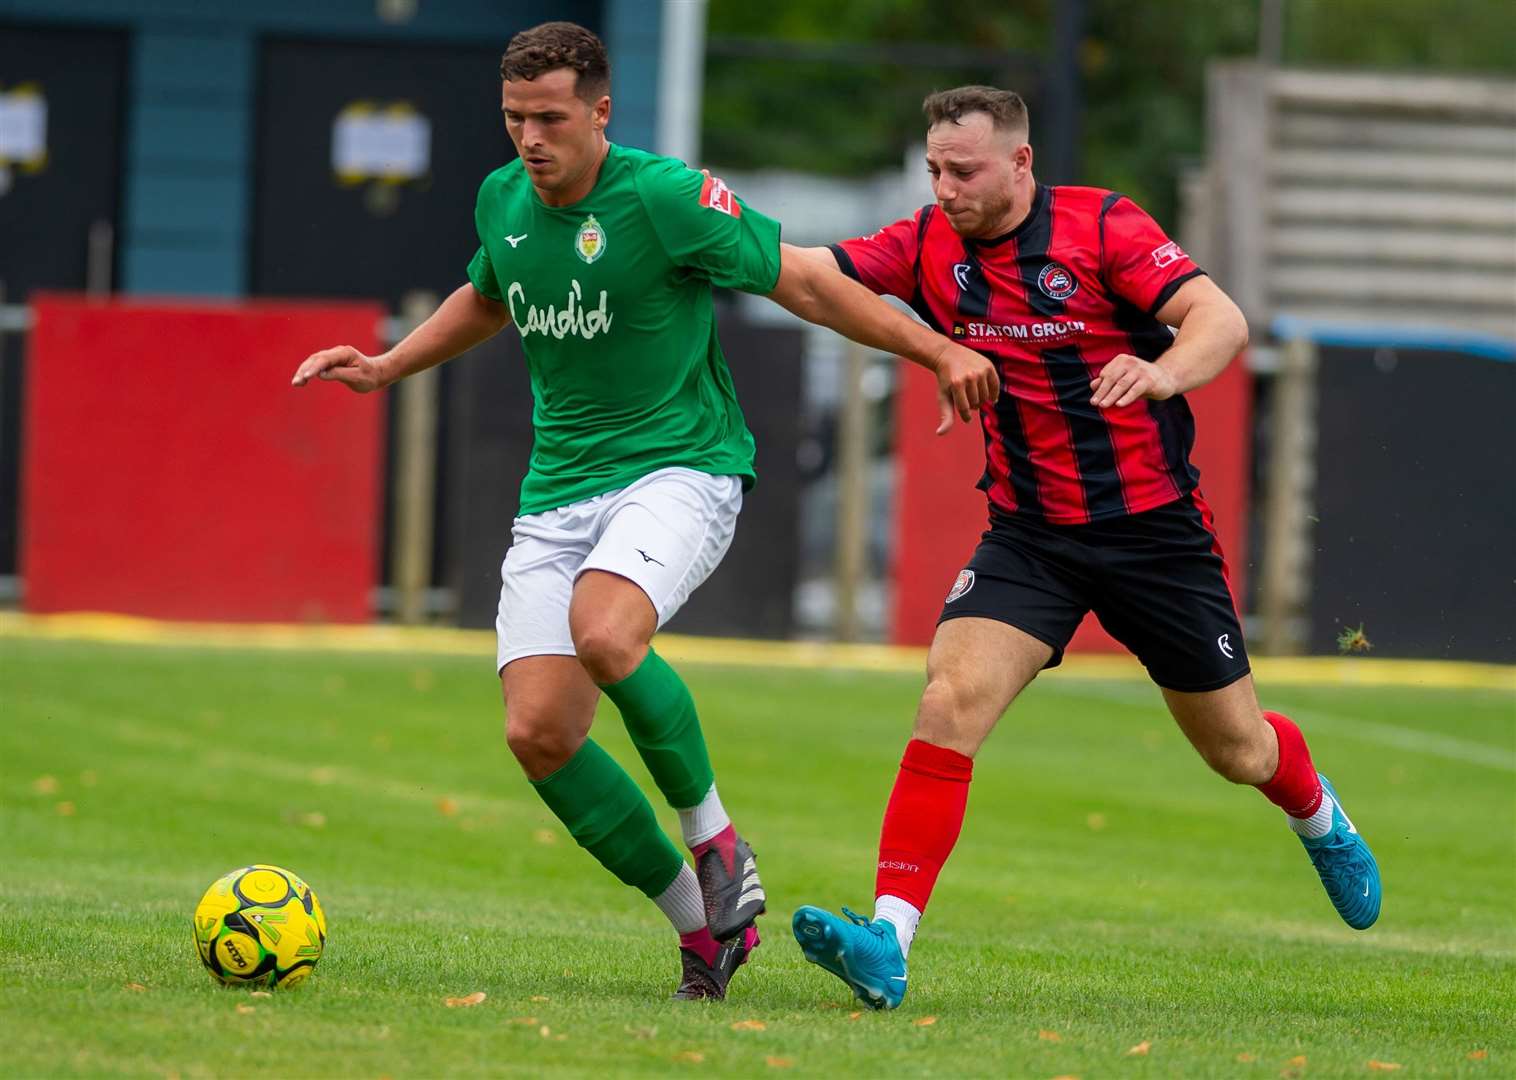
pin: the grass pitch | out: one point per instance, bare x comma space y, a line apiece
1112, 909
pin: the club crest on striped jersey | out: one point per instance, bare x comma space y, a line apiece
589, 243
963, 584
1057, 282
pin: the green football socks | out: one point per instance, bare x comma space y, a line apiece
660, 717
607, 814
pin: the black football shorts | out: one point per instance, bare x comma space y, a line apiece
1157, 582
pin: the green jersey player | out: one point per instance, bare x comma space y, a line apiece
604, 257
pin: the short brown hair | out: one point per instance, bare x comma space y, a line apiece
1005, 108
554, 45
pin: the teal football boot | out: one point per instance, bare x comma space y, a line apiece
1347, 867
862, 953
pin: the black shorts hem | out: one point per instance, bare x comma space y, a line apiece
1054, 661
1203, 688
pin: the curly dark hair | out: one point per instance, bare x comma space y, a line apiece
1004, 107
554, 45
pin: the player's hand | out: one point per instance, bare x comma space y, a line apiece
1128, 378
966, 380
343, 364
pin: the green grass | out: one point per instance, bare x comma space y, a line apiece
1107, 888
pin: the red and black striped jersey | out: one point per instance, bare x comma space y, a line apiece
1073, 286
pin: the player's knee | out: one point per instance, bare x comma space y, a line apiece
942, 717
539, 743
608, 652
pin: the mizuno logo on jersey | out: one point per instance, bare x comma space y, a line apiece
572, 318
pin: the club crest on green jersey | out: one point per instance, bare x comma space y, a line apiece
589, 244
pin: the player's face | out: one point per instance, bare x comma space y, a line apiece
557, 134
975, 170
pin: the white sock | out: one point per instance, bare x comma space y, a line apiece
902, 916
703, 820
1318, 824
681, 901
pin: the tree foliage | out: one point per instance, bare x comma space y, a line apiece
1142, 68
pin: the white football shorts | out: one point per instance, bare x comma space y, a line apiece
666, 532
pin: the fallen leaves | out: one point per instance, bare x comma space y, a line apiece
65, 809
545, 836
854, 1015
1246, 1058
689, 1057
779, 1062
1477, 1055
1296, 1062
1383, 1066
541, 997
749, 1025
468, 1002
447, 807
313, 820
45, 785
136, 986
260, 993
1141, 1048
527, 1021
1049, 1036
924, 1021
245, 1009
1095, 821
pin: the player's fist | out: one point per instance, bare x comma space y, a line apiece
343, 364
1127, 378
966, 381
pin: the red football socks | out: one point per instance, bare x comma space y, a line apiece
922, 821
1295, 788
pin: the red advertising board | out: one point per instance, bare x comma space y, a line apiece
939, 514
169, 469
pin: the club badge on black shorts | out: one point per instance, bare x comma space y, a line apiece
963, 584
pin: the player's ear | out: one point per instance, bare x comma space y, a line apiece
1021, 158
600, 112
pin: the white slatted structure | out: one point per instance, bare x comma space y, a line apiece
1371, 199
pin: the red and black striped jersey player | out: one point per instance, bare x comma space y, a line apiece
1093, 506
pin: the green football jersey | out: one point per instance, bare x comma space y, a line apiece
612, 297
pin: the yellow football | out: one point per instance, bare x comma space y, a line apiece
260, 925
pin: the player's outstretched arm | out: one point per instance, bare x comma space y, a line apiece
1212, 331
465, 318
821, 294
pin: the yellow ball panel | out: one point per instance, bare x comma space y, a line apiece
238, 953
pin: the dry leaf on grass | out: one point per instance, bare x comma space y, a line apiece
260, 993
323, 774
466, 1002
528, 1021
1066, 1077
45, 785
854, 1015
544, 1031
641, 1032
1095, 821
314, 820
136, 986
541, 997
689, 1057
1245, 1058
1296, 1062
779, 1062
65, 809
545, 836
1141, 1048
924, 1021
749, 1025
1383, 1066
447, 807
1478, 1055
1049, 1036
244, 1009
